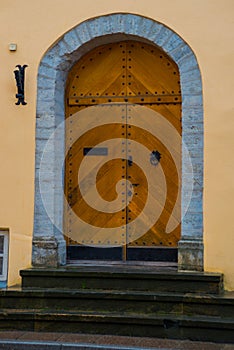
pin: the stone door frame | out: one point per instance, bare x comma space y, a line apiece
49, 247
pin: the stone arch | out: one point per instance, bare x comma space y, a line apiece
49, 248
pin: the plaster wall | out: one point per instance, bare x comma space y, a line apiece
207, 26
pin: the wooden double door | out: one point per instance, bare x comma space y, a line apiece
121, 176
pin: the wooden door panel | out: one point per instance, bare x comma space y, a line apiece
151, 69
94, 76
113, 73
107, 177
157, 232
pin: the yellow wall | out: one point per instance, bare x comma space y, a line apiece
206, 25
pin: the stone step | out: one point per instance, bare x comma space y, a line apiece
141, 278
39, 345
206, 328
145, 302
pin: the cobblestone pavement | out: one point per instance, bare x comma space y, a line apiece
107, 340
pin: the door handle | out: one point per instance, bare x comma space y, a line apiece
130, 161
155, 157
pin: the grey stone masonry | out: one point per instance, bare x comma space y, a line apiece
49, 247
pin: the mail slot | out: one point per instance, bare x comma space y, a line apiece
95, 151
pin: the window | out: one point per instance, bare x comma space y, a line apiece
3, 255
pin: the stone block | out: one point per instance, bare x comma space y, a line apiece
62, 254
46, 95
153, 33
48, 198
195, 180
190, 75
179, 52
189, 101
45, 252
192, 128
193, 141
187, 63
94, 27
190, 255
193, 221
49, 61
43, 144
42, 223
45, 121
63, 48
82, 33
163, 36
45, 84
44, 133
44, 107
72, 41
126, 23
46, 71
52, 54
196, 197
173, 42
192, 114
194, 205
140, 27
59, 101
193, 86
107, 24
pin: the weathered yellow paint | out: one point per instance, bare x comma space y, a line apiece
207, 26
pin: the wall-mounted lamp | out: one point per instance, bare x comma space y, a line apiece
155, 157
19, 77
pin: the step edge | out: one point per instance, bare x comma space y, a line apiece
119, 294
111, 274
36, 315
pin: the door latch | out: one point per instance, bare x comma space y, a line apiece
155, 157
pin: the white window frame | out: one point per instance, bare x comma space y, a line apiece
4, 255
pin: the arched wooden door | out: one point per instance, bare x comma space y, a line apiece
121, 76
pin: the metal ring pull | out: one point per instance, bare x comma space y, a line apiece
155, 157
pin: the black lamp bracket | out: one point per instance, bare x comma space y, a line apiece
19, 77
